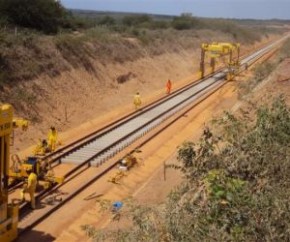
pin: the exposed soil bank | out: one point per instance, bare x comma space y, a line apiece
78, 95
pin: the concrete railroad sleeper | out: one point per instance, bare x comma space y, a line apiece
111, 140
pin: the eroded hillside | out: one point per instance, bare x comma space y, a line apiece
68, 79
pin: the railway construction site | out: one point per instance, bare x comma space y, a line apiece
108, 171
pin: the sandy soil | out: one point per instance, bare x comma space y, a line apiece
146, 182
71, 99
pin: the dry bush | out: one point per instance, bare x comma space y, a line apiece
285, 50
236, 186
261, 72
125, 77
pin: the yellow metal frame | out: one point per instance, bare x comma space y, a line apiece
217, 50
47, 180
8, 212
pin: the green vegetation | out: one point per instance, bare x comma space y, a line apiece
236, 186
263, 70
285, 50
43, 15
138, 20
186, 22
107, 21
76, 38
20, 55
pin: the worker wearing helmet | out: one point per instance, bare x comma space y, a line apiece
30, 187
168, 86
137, 100
52, 139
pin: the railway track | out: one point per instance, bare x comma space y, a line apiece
89, 154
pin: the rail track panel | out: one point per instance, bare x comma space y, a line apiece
94, 150
125, 134
98, 150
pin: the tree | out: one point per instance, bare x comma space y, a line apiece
107, 20
184, 22
136, 20
43, 15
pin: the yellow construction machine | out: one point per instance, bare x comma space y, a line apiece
8, 212
42, 168
229, 51
124, 165
127, 162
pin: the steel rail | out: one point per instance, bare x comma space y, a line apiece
90, 152
71, 147
97, 176
213, 86
88, 161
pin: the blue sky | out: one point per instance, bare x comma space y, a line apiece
258, 9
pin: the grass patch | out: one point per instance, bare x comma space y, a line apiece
261, 72
285, 50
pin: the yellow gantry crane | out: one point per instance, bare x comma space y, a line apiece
8, 212
218, 50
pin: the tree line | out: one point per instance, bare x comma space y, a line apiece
43, 15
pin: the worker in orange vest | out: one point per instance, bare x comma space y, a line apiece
168, 86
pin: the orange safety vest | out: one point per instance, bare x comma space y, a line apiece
168, 86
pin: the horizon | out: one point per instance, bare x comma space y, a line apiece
168, 15
228, 9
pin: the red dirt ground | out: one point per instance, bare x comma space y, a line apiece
146, 182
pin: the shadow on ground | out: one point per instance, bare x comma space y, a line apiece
35, 236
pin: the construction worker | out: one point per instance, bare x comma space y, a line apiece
137, 100
44, 168
52, 139
41, 148
168, 86
30, 187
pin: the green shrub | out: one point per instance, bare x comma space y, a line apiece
236, 186
136, 20
107, 20
285, 50
182, 22
263, 70
100, 34
43, 15
159, 25
3, 70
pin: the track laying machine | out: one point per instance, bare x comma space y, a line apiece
42, 168
36, 163
230, 52
16, 172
